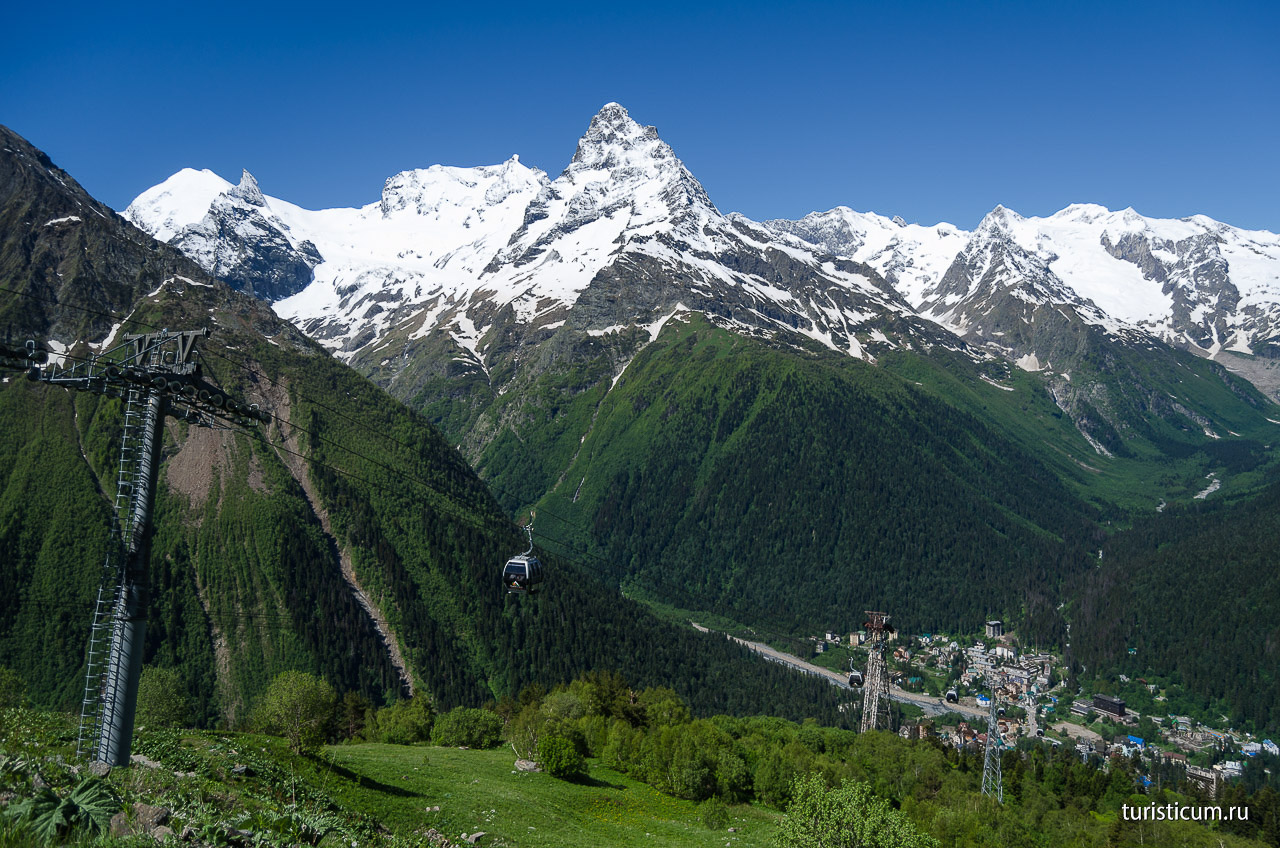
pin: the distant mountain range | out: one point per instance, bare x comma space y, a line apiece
473, 263
449, 248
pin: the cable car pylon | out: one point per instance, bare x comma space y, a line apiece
876, 706
992, 779
157, 375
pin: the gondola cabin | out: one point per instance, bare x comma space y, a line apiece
952, 697
522, 574
855, 678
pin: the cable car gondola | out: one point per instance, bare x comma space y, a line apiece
523, 572
952, 697
855, 675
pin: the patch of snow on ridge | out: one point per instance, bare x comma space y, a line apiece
656, 327
992, 382
1030, 362
1214, 486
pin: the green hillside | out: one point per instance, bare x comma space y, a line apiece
252, 528
247, 580
746, 480
1165, 417
727, 475
248, 788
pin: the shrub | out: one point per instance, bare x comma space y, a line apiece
298, 706
13, 690
467, 727
162, 700
560, 758
354, 712
849, 815
404, 722
714, 814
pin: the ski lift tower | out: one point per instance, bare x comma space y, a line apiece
156, 374
875, 694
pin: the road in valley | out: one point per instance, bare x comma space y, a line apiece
930, 705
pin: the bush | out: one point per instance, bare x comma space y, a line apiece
467, 727
526, 729
355, 715
714, 814
404, 722
13, 690
560, 758
162, 700
850, 815
298, 706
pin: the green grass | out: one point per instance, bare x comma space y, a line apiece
482, 791
376, 793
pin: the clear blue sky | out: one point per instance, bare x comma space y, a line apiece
931, 111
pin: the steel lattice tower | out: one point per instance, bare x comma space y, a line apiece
992, 780
875, 694
155, 374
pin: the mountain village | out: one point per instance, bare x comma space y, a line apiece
960, 676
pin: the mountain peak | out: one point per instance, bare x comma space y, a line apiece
248, 190
614, 139
998, 220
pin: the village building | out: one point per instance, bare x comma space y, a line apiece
1207, 779
1109, 706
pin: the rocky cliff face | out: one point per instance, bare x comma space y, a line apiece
49, 251
1193, 273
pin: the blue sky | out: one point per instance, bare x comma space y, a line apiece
931, 111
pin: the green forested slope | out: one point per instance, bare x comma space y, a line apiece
724, 474
1195, 593
792, 490
247, 583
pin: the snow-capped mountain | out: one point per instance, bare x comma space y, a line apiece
624, 236
910, 256
1193, 282
449, 249
494, 272
237, 237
